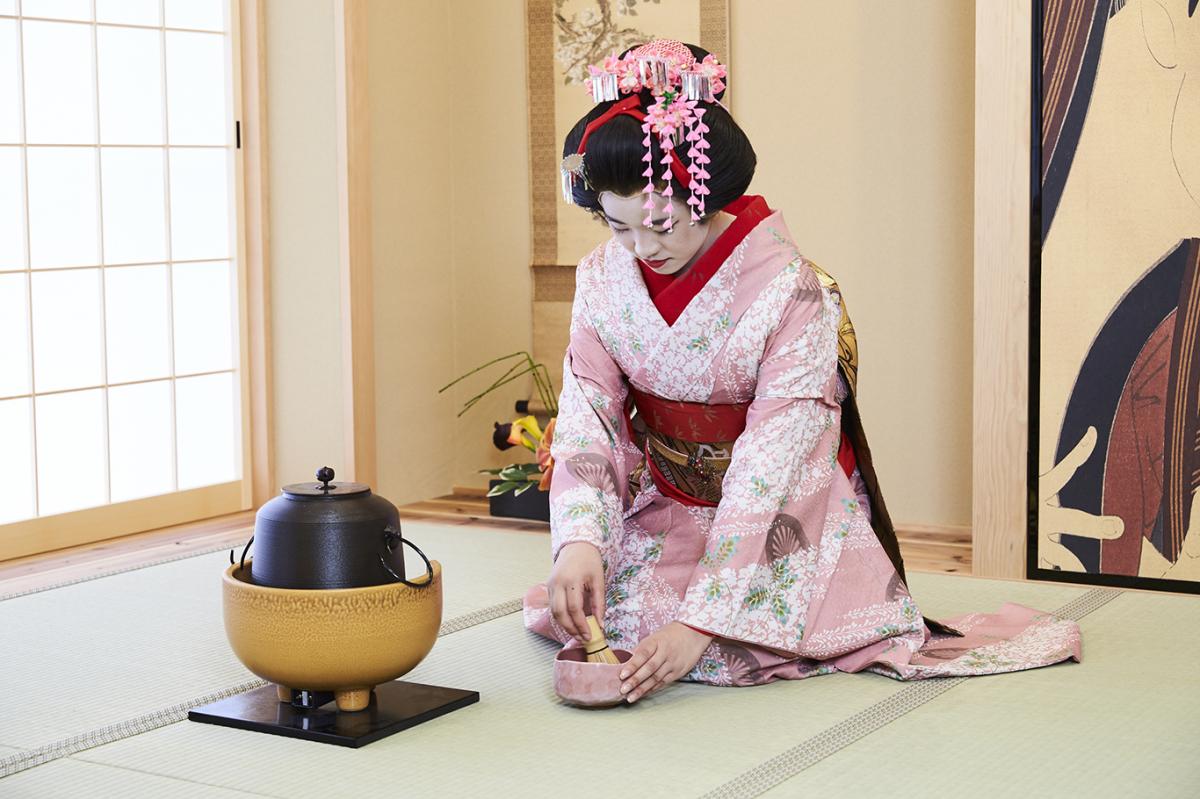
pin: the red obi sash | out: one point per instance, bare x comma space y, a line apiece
690, 421
701, 423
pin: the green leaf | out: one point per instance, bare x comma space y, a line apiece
502, 488
780, 608
490, 471
755, 598
512, 473
628, 573
581, 509
523, 488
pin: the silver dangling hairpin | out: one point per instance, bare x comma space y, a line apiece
604, 88
572, 167
654, 73
697, 86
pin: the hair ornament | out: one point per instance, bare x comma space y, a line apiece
655, 73
714, 71
605, 87
572, 167
697, 87
678, 83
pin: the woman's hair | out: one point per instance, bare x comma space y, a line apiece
613, 159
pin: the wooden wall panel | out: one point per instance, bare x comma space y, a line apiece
354, 226
553, 292
1001, 349
256, 221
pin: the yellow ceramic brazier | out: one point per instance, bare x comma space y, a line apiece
345, 640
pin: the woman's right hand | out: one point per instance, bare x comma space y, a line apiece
576, 588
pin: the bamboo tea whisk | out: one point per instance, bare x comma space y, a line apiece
596, 646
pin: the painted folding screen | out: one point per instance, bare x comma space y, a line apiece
1115, 311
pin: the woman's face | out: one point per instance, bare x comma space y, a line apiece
664, 252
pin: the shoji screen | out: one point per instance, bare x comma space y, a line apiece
119, 307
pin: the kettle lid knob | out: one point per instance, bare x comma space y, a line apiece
326, 488
325, 475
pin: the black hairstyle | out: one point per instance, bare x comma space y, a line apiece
613, 159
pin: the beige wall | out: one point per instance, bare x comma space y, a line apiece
451, 231
862, 116
491, 216
305, 315
412, 253
450, 225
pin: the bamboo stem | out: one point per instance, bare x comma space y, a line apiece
539, 373
480, 368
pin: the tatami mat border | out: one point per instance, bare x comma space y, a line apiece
122, 570
791, 762
161, 718
115, 732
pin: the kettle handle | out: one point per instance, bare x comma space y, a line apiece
392, 537
244, 551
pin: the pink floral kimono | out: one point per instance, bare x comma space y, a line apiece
708, 444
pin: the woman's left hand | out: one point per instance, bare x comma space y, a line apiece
661, 659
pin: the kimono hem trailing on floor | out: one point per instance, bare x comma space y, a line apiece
771, 534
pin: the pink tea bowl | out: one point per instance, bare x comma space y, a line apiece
585, 684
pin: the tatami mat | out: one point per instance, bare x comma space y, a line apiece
1125, 722
519, 740
941, 596
71, 778
94, 653
682, 742
482, 566
99, 652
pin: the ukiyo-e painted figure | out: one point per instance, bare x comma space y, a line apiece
713, 499
1119, 430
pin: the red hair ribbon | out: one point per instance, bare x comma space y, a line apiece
630, 106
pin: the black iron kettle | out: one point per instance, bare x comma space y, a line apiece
328, 535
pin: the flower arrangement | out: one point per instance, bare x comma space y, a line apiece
524, 431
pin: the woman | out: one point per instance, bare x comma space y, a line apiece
713, 501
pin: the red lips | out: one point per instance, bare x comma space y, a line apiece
656, 264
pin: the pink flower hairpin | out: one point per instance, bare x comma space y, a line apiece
678, 83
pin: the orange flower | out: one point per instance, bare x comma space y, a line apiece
526, 433
544, 458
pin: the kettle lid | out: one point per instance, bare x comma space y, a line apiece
325, 488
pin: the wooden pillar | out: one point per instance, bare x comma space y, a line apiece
1003, 41
354, 225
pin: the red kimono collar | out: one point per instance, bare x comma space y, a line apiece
671, 294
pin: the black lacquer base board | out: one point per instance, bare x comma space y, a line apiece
395, 706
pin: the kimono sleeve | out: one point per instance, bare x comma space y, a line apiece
592, 450
771, 548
